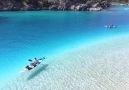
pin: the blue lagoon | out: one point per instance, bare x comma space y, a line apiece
76, 45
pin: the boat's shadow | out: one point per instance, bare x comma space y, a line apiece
36, 72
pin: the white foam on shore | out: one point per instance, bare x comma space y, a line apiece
99, 66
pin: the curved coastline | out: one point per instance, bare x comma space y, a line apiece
63, 5
101, 65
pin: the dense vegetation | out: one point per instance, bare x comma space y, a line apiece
56, 4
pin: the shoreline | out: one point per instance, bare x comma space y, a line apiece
58, 5
54, 6
119, 4
92, 9
102, 65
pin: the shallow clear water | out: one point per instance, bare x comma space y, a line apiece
25, 35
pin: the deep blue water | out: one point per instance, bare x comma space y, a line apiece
25, 35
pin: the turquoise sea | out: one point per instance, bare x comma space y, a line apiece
30, 34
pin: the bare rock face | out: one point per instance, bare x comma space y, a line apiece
82, 7
64, 5
95, 9
96, 5
72, 7
15, 5
53, 7
104, 4
25, 6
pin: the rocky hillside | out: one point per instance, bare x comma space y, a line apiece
79, 5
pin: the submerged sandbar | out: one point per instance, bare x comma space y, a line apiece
103, 65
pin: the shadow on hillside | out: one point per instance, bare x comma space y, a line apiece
38, 71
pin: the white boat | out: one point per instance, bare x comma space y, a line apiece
30, 66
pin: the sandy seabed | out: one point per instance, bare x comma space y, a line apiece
100, 66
